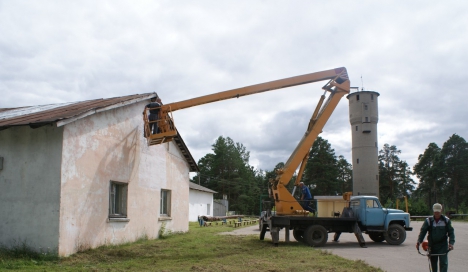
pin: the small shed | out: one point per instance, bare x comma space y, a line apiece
200, 201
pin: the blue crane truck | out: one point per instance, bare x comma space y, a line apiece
363, 214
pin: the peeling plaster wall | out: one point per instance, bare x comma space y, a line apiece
30, 187
109, 146
199, 204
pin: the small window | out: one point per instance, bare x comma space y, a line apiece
357, 161
118, 200
365, 107
370, 203
208, 209
375, 144
357, 97
367, 119
357, 128
372, 97
165, 209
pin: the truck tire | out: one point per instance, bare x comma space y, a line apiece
377, 237
316, 236
299, 235
395, 235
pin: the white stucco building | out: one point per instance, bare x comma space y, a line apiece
200, 201
79, 175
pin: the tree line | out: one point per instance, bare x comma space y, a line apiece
442, 174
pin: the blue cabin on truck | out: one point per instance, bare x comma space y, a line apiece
381, 224
370, 213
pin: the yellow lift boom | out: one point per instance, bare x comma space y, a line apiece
338, 85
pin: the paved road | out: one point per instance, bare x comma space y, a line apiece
389, 258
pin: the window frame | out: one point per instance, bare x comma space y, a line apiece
118, 199
355, 203
165, 203
372, 204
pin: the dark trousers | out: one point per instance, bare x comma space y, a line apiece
306, 205
443, 263
153, 126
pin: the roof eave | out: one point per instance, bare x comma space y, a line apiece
97, 110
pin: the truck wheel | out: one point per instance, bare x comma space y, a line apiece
299, 235
377, 237
316, 236
395, 235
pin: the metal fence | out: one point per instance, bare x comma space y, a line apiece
220, 207
461, 216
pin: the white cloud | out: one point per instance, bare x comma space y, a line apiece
413, 54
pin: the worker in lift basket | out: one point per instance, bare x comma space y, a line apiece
306, 197
441, 237
153, 116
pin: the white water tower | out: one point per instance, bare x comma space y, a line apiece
363, 116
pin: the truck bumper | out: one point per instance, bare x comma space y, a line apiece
408, 229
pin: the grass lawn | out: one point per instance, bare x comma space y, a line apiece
200, 249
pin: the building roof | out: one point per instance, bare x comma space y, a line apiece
64, 113
197, 187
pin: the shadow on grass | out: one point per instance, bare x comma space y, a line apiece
21, 250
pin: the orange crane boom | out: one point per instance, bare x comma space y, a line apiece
338, 85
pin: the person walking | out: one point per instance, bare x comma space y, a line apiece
306, 197
441, 237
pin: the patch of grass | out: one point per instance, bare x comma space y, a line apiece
200, 249
21, 255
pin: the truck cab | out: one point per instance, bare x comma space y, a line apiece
370, 212
378, 222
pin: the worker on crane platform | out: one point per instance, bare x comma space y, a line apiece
154, 108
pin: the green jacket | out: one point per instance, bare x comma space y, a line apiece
437, 238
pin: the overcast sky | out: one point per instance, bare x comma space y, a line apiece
414, 53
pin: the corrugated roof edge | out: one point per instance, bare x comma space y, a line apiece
197, 187
97, 110
186, 153
6, 109
65, 113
